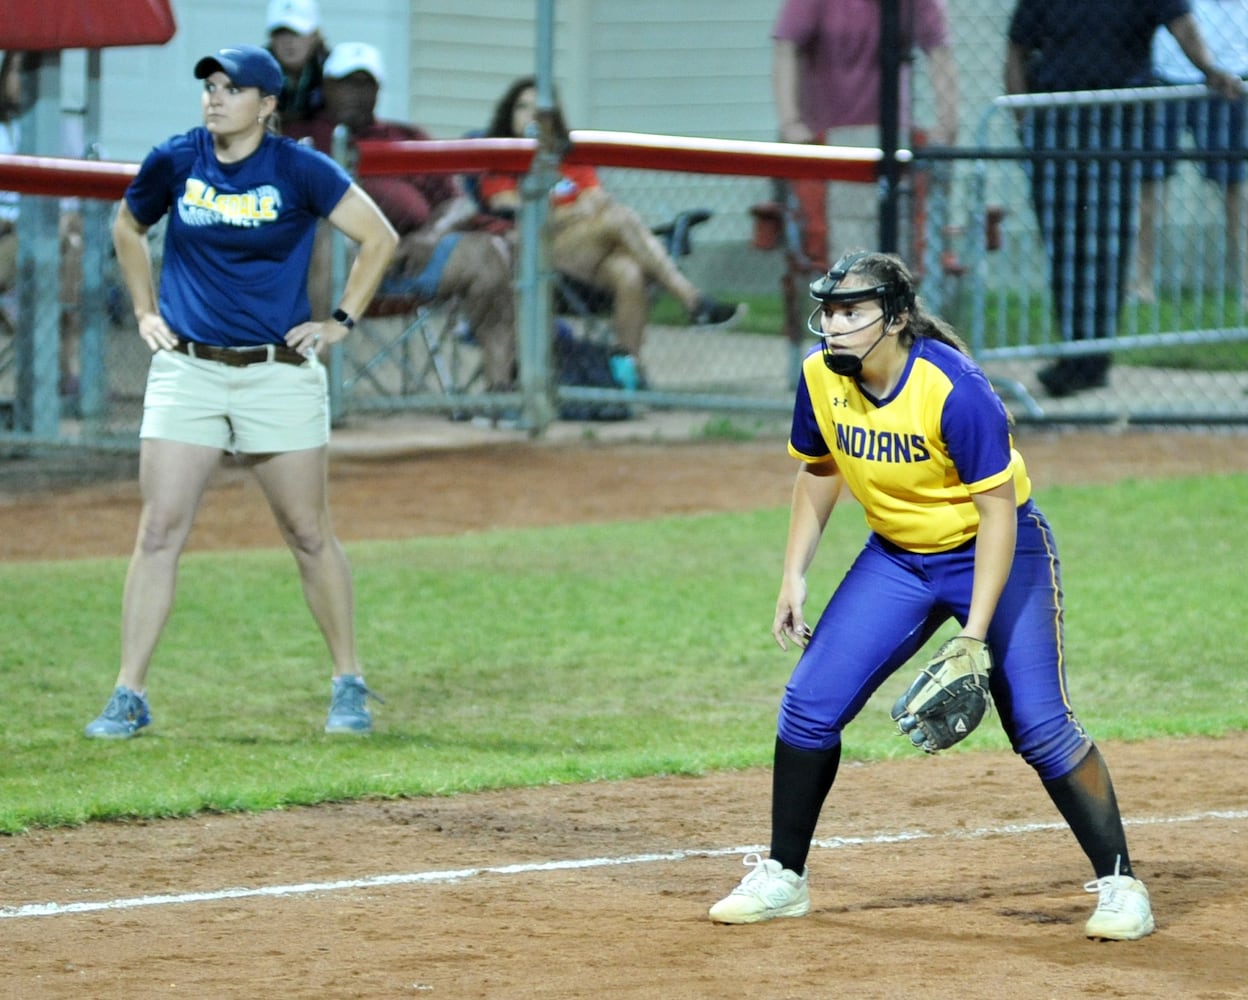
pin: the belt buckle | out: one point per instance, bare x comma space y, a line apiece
245, 357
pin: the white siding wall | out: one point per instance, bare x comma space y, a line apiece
682, 67
463, 56
148, 92
691, 67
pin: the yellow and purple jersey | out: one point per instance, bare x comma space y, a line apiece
915, 459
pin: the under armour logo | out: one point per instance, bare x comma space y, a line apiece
840, 401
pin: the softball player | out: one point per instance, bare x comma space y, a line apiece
892, 407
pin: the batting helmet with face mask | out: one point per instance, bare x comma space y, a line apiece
894, 293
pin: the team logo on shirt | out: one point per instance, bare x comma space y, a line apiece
873, 445
202, 205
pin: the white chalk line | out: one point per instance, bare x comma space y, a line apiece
461, 874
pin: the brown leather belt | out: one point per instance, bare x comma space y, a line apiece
241, 357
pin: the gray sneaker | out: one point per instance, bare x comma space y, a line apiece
348, 712
124, 715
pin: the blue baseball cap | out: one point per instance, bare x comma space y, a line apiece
246, 66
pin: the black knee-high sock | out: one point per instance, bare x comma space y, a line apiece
1085, 798
800, 781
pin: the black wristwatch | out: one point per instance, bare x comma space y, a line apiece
341, 316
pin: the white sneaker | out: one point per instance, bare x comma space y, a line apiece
1123, 911
768, 891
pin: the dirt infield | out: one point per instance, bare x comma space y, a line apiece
601, 890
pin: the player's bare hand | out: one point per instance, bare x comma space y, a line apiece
156, 333
789, 626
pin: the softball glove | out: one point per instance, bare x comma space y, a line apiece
948, 698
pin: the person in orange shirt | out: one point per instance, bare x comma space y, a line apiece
595, 239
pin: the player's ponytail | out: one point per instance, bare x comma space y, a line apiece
925, 324
899, 297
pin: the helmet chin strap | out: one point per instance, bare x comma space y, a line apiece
850, 364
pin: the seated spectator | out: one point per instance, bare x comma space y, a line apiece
434, 259
595, 239
294, 28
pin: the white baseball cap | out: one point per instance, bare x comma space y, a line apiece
351, 57
300, 16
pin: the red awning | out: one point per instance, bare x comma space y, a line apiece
43, 26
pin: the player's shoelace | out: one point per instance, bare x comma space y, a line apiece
1113, 892
1112, 897
1123, 910
756, 862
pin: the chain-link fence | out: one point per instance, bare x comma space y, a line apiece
72, 370
1105, 226
1075, 259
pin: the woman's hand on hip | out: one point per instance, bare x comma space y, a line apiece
313, 335
155, 332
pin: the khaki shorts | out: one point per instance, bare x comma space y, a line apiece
258, 410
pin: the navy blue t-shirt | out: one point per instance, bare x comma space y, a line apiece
1090, 44
239, 237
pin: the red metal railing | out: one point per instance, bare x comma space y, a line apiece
65, 177
628, 149
62, 177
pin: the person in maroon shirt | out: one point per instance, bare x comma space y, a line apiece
437, 257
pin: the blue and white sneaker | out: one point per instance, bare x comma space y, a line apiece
124, 715
348, 712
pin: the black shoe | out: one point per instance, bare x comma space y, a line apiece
1066, 376
711, 312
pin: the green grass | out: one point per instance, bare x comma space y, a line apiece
563, 655
1210, 311
765, 314
1189, 312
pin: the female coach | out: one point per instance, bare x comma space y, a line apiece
893, 407
234, 364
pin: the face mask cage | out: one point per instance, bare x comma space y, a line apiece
849, 296
893, 295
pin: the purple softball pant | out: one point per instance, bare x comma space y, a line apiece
892, 601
